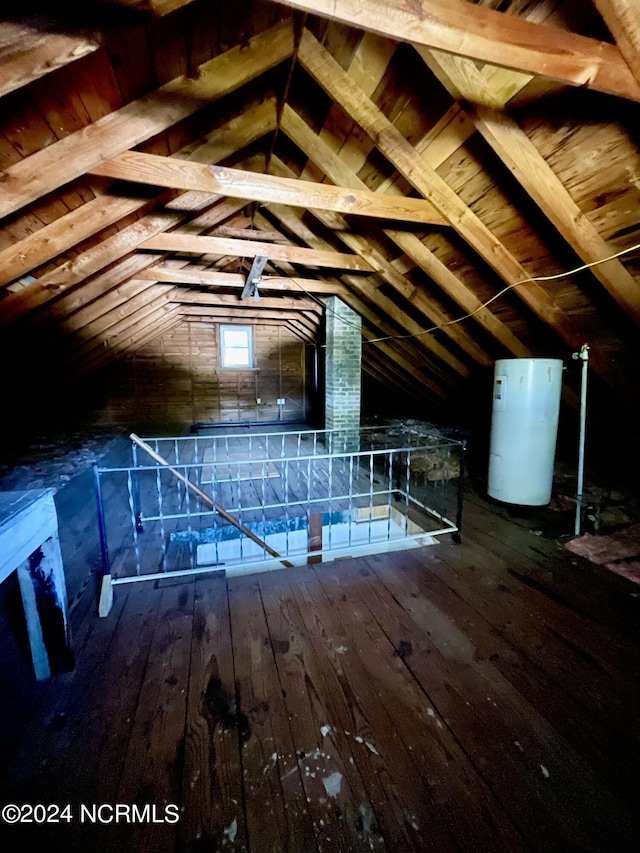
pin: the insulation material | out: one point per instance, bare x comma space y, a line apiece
619, 552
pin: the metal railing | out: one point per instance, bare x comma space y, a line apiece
307, 494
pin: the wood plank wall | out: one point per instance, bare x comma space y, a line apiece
176, 379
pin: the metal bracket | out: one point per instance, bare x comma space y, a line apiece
255, 273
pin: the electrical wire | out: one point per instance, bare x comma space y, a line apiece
504, 290
484, 305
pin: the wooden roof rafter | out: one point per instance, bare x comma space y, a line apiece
62, 234
74, 155
415, 277
32, 47
334, 168
369, 295
486, 35
416, 170
520, 156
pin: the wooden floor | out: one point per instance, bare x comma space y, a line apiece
472, 697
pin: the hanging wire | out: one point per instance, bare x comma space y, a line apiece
500, 293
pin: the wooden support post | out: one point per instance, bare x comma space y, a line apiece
315, 536
208, 501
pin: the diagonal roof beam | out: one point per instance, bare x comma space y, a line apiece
330, 76
100, 341
623, 19
460, 27
332, 165
427, 345
520, 156
112, 249
125, 339
83, 222
375, 314
56, 165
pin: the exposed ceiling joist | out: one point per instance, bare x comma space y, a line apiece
370, 293
485, 35
110, 250
175, 242
212, 278
297, 328
328, 73
284, 303
62, 234
334, 167
238, 313
239, 183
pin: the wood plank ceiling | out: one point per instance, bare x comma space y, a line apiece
439, 165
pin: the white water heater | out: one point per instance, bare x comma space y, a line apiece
524, 429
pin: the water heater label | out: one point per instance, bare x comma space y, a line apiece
499, 393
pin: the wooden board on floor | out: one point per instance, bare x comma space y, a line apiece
212, 779
454, 810
277, 812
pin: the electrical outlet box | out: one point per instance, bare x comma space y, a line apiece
258, 401
280, 401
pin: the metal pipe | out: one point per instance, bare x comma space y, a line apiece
583, 356
247, 424
102, 527
457, 535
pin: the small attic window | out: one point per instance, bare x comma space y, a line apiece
236, 346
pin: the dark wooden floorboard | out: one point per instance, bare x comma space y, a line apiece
543, 783
277, 812
480, 697
452, 808
341, 811
215, 730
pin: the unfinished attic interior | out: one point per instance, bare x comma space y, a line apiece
319, 507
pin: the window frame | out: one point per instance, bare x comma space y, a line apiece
236, 327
